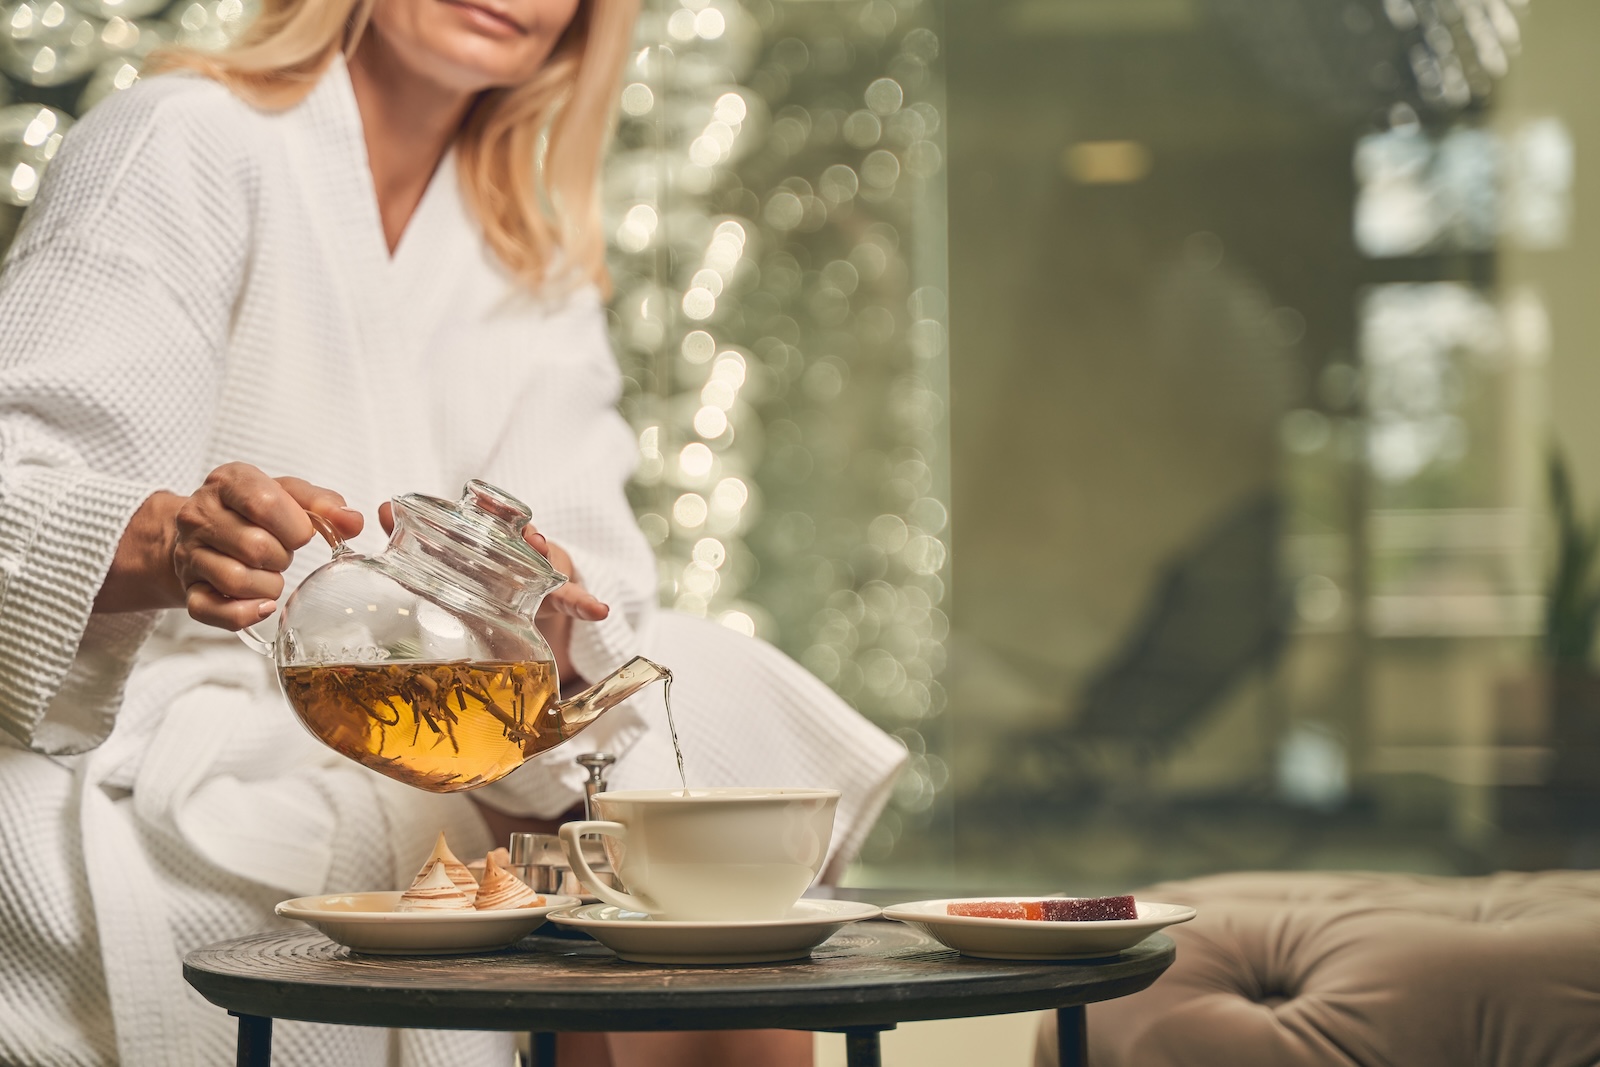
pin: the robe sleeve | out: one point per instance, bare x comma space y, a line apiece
114, 308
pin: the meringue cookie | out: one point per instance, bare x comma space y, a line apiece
501, 890
458, 872
433, 891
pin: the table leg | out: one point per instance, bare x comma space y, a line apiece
255, 1041
1072, 1036
861, 1048
541, 1049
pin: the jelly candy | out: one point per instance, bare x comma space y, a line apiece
1056, 909
994, 909
1090, 909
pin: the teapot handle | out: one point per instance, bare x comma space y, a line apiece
253, 640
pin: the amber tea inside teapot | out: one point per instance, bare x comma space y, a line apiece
423, 662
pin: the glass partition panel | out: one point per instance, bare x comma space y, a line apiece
1254, 306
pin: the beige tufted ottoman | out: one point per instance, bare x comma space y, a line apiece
1366, 970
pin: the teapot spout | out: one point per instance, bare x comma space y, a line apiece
607, 693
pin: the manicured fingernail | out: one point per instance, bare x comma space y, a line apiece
351, 511
266, 607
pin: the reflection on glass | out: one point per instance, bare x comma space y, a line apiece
1419, 344
1463, 189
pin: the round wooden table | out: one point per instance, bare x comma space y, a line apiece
864, 980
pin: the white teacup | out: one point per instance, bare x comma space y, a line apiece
708, 854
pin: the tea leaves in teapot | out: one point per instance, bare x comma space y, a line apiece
442, 727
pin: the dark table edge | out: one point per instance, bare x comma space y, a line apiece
826, 1008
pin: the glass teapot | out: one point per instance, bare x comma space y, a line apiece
422, 662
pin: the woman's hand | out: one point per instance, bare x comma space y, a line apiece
571, 600
558, 610
567, 603
221, 552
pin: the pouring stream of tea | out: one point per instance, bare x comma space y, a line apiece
672, 728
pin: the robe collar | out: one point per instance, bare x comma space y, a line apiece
391, 298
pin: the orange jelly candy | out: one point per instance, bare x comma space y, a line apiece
998, 909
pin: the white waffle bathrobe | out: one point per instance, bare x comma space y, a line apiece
201, 282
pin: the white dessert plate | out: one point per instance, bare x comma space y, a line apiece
641, 939
1029, 939
367, 922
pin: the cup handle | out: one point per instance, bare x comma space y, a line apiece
572, 845
249, 635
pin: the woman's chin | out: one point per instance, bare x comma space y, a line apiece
468, 63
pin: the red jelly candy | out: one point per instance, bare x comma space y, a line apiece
1090, 909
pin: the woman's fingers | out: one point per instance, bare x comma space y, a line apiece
203, 520
237, 534
571, 599
228, 576
260, 501
230, 570
324, 502
226, 532
207, 605
574, 600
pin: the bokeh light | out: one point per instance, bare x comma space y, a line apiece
788, 352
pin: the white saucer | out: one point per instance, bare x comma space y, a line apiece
641, 939
367, 922
1028, 939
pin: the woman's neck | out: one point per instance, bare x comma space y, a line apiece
408, 122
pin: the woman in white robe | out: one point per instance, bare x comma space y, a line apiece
204, 282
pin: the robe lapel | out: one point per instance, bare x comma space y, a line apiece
439, 275
433, 259
329, 155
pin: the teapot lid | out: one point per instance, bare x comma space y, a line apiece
486, 521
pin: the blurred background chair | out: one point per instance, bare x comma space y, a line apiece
1216, 616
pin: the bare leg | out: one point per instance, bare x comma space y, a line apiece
582, 1050
713, 1048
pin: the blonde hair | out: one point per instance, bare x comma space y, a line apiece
531, 204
